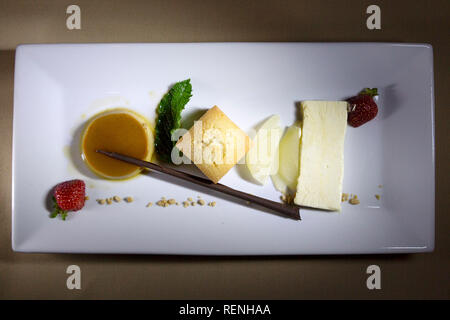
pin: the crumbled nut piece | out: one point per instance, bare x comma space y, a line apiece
117, 198
193, 203
177, 203
354, 200
377, 196
344, 197
287, 198
185, 204
128, 199
86, 198
108, 201
190, 199
149, 204
162, 203
163, 198
101, 201
171, 201
201, 202
212, 204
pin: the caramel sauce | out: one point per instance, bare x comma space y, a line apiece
119, 131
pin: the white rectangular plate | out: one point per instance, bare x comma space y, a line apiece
58, 87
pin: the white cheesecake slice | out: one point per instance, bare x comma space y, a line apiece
322, 154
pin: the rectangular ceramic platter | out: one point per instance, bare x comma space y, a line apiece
58, 87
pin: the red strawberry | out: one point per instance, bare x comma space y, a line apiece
68, 196
362, 108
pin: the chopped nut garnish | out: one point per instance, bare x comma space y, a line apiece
116, 199
109, 201
190, 199
101, 201
193, 203
212, 204
149, 204
86, 198
377, 196
185, 204
286, 198
177, 203
201, 202
344, 197
162, 203
128, 199
354, 200
171, 201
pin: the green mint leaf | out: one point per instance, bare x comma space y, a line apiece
169, 117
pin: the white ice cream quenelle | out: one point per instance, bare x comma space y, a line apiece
262, 158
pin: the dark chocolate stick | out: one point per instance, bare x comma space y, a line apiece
289, 211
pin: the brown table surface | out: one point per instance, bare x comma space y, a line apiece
43, 276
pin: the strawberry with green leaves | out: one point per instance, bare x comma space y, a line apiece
362, 108
68, 196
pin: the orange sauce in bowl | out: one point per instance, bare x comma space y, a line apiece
116, 130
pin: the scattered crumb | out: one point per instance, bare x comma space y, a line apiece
116, 199
101, 201
128, 199
201, 202
172, 201
247, 203
149, 204
190, 199
193, 203
344, 197
163, 198
185, 204
108, 201
354, 200
286, 198
199, 197
162, 203
377, 196
177, 203
86, 198
212, 204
